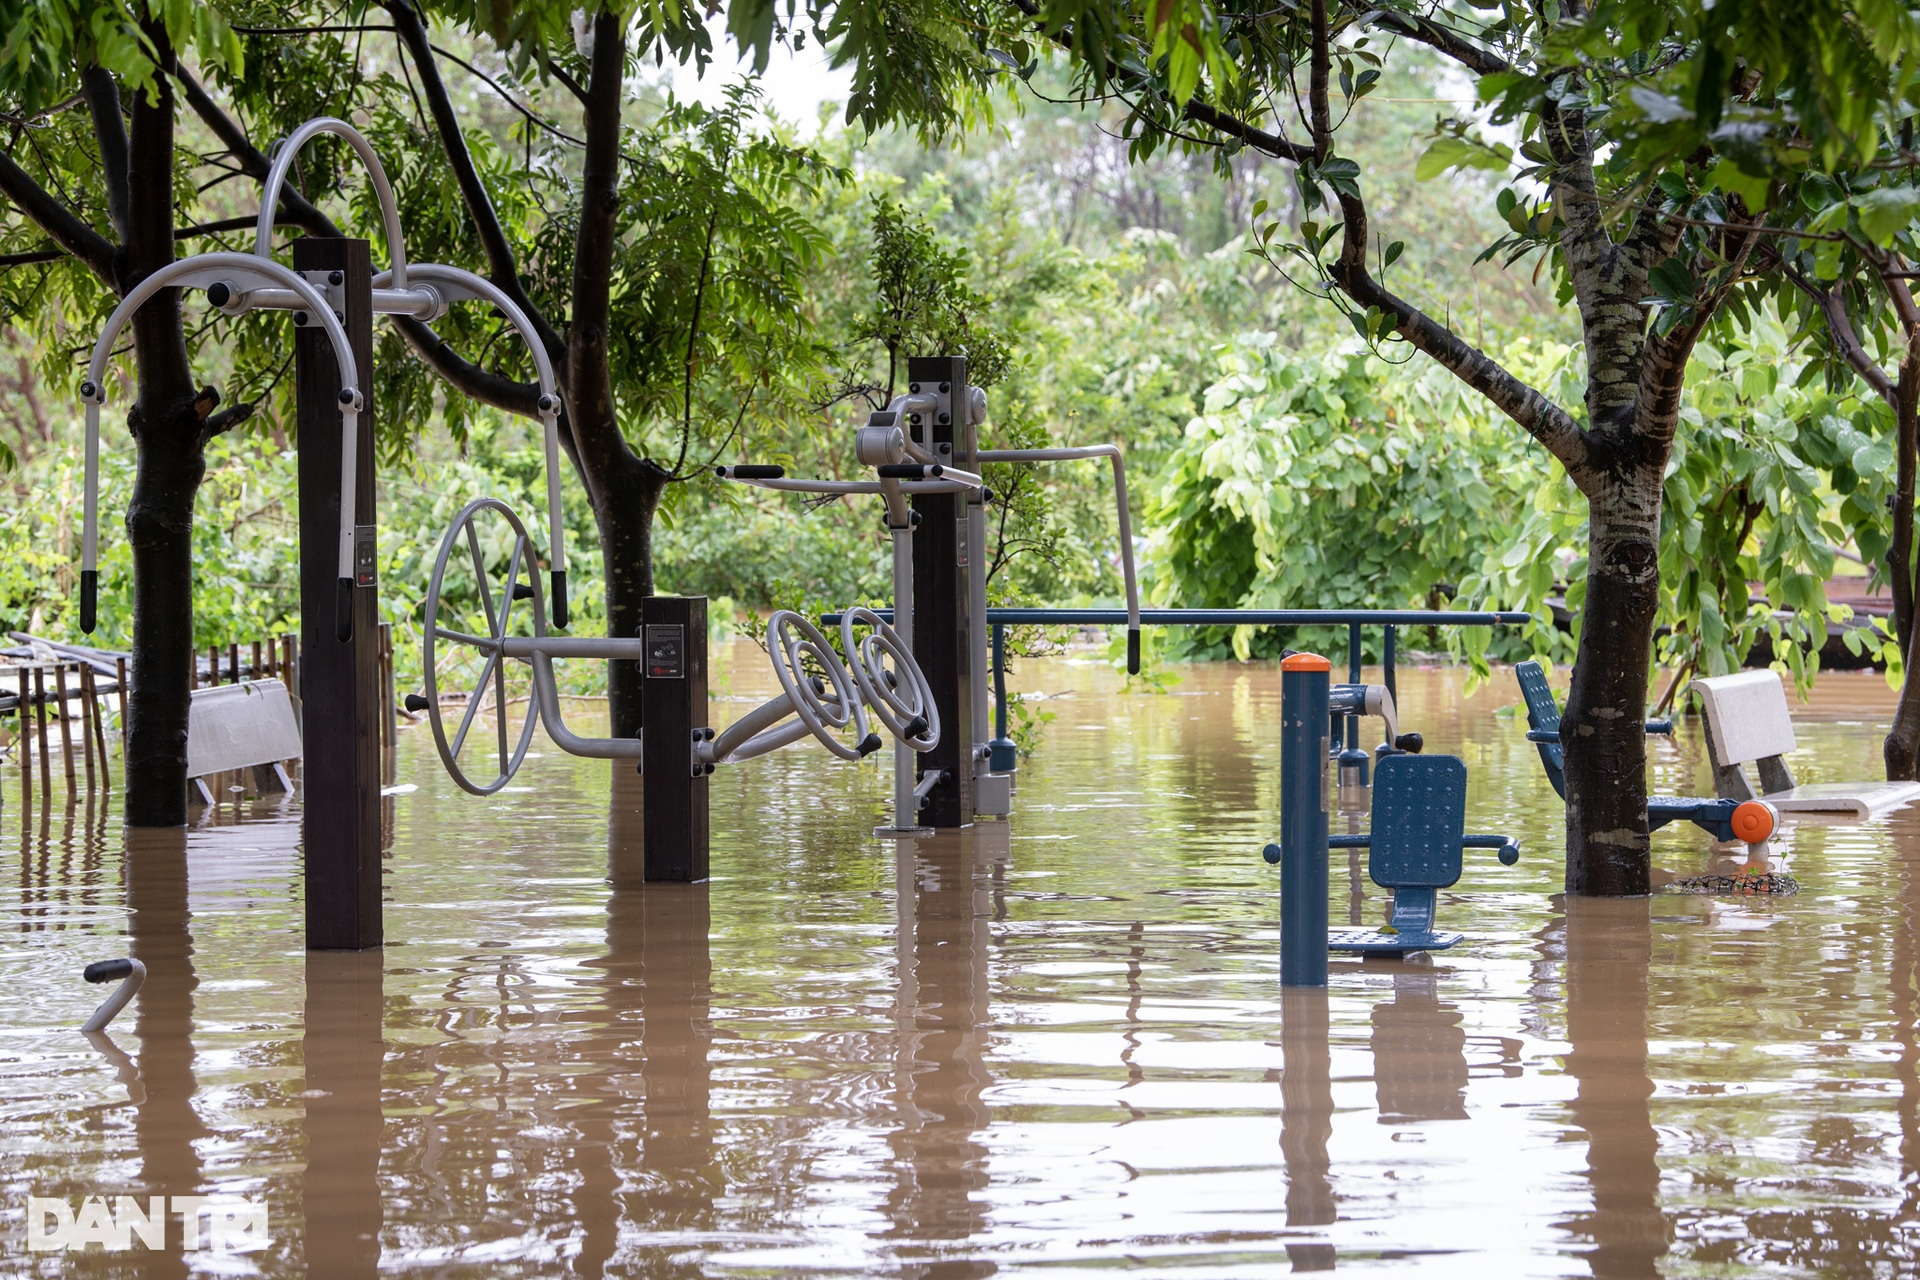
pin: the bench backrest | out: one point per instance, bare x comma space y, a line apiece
232, 726
1747, 716
1419, 820
1543, 714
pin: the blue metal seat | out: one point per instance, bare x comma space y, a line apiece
1710, 814
1414, 847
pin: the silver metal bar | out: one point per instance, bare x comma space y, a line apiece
548, 695
767, 743
837, 487
906, 804
765, 716
1120, 497
611, 648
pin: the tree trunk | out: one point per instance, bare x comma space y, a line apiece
169, 424
626, 494
1604, 733
1901, 750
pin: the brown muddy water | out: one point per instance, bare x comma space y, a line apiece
1056, 1043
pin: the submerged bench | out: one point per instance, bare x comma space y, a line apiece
1415, 848
1713, 815
1748, 723
249, 725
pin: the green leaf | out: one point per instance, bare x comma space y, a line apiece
1886, 212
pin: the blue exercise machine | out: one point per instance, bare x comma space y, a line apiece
1415, 841
1711, 814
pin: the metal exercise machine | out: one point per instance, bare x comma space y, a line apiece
332, 293
821, 696
1414, 845
925, 450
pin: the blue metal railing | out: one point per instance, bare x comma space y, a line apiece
1352, 619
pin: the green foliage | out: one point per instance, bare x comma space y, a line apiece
1328, 479
1767, 478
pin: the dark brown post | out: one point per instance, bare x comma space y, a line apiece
673, 703
253, 671
940, 551
80, 673
340, 686
66, 731
26, 742
99, 729
120, 701
40, 731
213, 666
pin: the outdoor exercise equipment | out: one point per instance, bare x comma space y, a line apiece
131, 973
1748, 722
1417, 833
333, 293
676, 750
924, 449
1714, 816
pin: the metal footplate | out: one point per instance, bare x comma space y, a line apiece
1378, 942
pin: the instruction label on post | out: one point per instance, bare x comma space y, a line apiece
366, 555
666, 652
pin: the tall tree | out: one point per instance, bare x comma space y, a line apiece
88, 173
1640, 176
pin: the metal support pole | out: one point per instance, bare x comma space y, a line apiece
340, 727
1304, 680
673, 707
1002, 755
1387, 655
940, 634
906, 762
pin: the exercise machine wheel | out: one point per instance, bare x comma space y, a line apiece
900, 697
826, 698
485, 567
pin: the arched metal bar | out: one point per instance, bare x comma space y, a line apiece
283, 158
453, 283
93, 391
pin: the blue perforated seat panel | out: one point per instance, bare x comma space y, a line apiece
1419, 818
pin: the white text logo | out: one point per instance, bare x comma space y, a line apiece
205, 1222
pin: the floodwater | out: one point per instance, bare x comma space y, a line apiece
1055, 1043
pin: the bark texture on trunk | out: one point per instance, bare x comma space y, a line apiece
169, 423
1603, 730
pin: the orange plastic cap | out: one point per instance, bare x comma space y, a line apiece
1305, 662
1754, 821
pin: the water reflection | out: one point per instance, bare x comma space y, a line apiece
167, 1126
941, 1014
1419, 1051
1306, 1122
344, 1047
1605, 948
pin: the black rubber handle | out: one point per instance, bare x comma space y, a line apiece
89, 598
416, 702
869, 744
343, 611
1409, 743
107, 970
559, 579
909, 471
753, 471
916, 727
1133, 651
523, 591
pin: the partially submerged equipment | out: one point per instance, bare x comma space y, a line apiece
249, 725
1414, 845
1748, 723
131, 974
1711, 814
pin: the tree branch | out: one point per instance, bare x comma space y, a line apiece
60, 223
1445, 40
110, 134
294, 207
1833, 309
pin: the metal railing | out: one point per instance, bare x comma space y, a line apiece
1352, 619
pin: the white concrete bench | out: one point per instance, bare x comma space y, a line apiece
249, 725
1748, 723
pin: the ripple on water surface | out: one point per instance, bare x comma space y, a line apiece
1058, 1041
